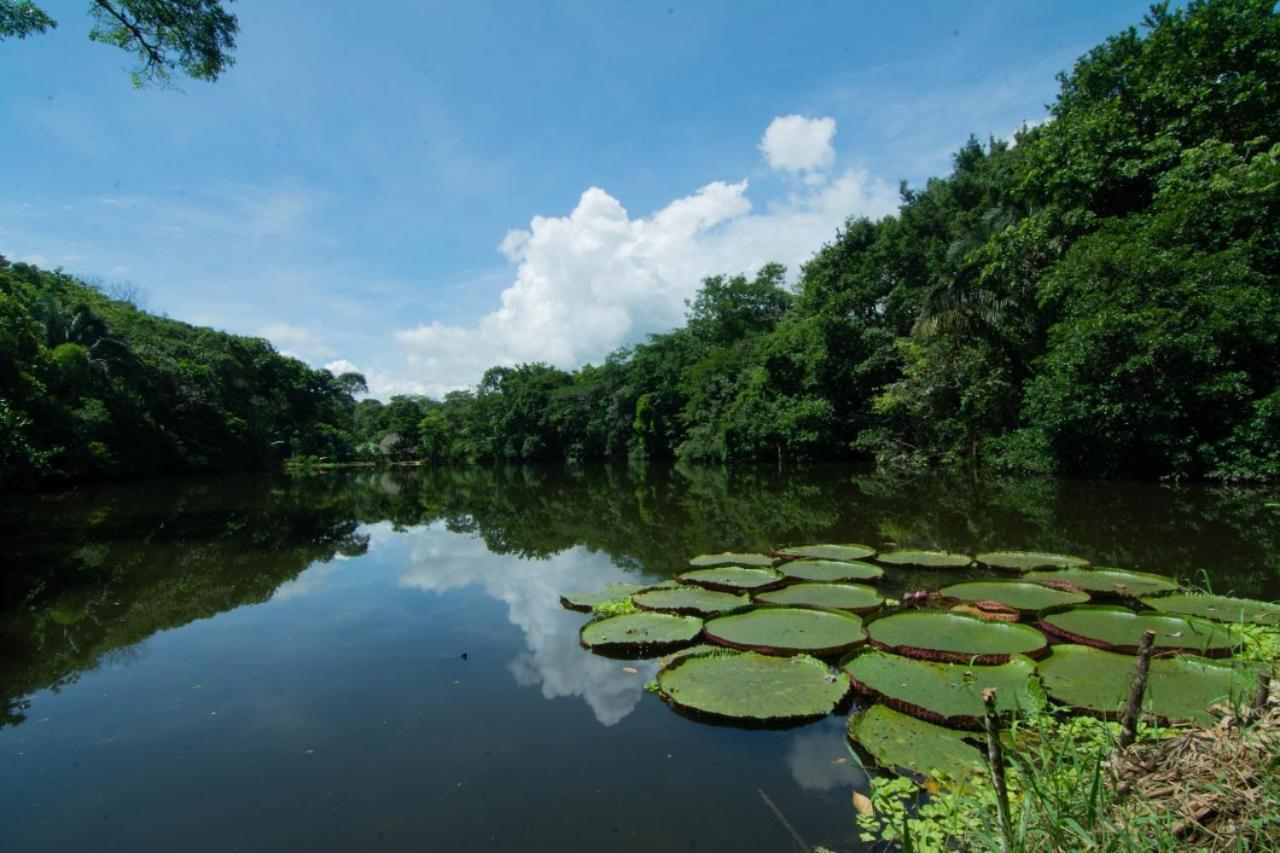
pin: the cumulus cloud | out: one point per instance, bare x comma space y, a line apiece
597, 278
798, 144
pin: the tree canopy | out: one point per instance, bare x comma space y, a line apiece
193, 37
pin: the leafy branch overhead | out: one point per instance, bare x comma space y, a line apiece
191, 37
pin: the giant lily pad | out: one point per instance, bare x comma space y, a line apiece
1179, 688
731, 578
854, 597
689, 598
1219, 608
729, 558
848, 553
926, 559
1119, 630
938, 635
1119, 582
1024, 596
896, 740
584, 601
785, 630
949, 694
640, 632
750, 686
1025, 561
830, 571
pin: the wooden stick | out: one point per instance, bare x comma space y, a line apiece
1137, 687
777, 812
1264, 693
995, 757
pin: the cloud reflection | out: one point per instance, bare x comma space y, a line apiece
814, 758
531, 589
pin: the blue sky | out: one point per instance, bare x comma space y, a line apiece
443, 187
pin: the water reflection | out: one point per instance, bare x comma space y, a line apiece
531, 590
92, 574
819, 758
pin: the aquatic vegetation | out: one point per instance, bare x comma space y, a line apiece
729, 558
1118, 629
854, 597
731, 578
688, 599
1020, 595
586, 601
752, 686
1115, 582
942, 636
830, 571
1025, 561
1180, 688
848, 553
640, 632
787, 630
1219, 608
896, 740
947, 694
925, 559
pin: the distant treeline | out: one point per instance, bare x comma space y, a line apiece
93, 388
1100, 298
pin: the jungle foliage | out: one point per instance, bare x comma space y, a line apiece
1097, 298
93, 388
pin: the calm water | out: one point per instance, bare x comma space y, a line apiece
261, 663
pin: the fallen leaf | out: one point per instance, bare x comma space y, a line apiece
839, 761
630, 669
862, 803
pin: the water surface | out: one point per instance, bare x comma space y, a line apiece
260, 663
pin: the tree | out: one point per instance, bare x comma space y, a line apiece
194, 37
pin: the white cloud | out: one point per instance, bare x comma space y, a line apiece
596, 279
798, 144
296, 341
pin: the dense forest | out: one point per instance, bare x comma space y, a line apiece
93, 388
1097, 297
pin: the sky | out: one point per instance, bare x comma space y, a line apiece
437, 188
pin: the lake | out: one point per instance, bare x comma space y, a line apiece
379, 660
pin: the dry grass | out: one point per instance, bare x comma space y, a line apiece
1219, 785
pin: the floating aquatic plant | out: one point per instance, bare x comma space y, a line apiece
751, 686
786, 630
953, 637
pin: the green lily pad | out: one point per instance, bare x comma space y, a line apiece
847, 553
731, 578
949, 694
750, 686
584, 601
786, 630
1219, 608
1179, 688
1025, 561
1021, 595
942, 636
640, 632
830, 571
1117, 629
854, 597
896, 740
729, 558
926, 559
1119, 582
689, 598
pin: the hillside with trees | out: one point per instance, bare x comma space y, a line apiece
93, 388
1097, 297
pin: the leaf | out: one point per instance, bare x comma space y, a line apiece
862, 803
